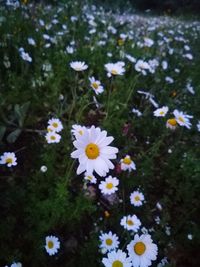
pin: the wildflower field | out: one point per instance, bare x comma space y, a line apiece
99, 137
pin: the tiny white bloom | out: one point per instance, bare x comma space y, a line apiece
78, 130
109, 241
109, 186
137, 198
161, 112
52, 245
96, 85
8, 158
127, 164
78, 65
115, 68
182, 118
43, 168
117, 259
55, 125
130, 222
52, 137
90, 178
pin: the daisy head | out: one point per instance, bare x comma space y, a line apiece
171, 124
161, 112
114, 69
90, 178
142, 251
136, 198
109, 186
109, 241
52, 137
117, 259
16, 264
96, 85
130, 222
93, 152
78, 130
9, 159
55, 125
52, 245
182, 118
127, 164
78, 65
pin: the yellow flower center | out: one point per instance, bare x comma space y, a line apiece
92, 151
53, 137
117, 264
89, 177
137, 198
80, 132
162, 112
95, 85
127, 161
139, 248
109, 242
114, 72
172, 122
50, 244
120, 42
9, 160
130, 222
55, 124
181, 119
109, 186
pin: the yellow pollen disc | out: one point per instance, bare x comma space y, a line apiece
49, 129
127, 161
9, 160
89, 177
139, 248
172, 122
95, 85
109, 186
109, 242
130, 222
53, 137
114, 72
120, 42
92, 151
162, 112
181, 119
50, 244
137, 198
117, 264
55, 124
80, 132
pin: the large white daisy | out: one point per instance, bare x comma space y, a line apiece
142, 250
117, 259
93, 151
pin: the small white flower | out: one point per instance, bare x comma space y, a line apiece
117, 259
189, 236
8, 158
127, 164
78, 130
16, 264
31, 41
78, 65
52, 137
136, 198
90, 178
96, 85
182, 118
130, 222
142, 66
109, 241
115, 68
109, 186
161, 112
55, 125
43, 168
52, 245
148, 42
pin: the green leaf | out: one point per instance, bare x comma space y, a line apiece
2, 132
12, 137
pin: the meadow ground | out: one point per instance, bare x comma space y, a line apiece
100, 135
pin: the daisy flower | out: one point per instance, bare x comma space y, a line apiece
78, 130
130, 222
78, 65
109, 241
161, 112
109, 186
127, 164
55, 125
115, 68
142, 250
93, 151
52, 245
117, 259
8, 158
52, 137
90, 178
16, 264
142, 66
96, 85
136, 198
171, 123
182, 118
